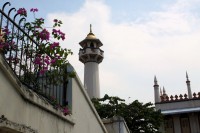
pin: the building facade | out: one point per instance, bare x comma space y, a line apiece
181, 112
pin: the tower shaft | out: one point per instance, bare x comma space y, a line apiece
156, 91
91, 79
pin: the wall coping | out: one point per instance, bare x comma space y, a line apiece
6, 124
29, 95
116, 119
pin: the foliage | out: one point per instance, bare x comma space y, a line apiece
138, 116
37, 54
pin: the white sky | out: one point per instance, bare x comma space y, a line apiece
141, 39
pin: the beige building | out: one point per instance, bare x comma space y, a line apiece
181, 112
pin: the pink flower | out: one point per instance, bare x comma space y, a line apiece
38, 61
47, 57
59, 34
22, 12
41, 19
55, 20
55, 44
53, 61
66, 111
44, 35
34, 10
46, 61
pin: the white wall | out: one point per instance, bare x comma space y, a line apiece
116, 124
24, 107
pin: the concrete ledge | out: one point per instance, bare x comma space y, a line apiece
12, 127
29, 95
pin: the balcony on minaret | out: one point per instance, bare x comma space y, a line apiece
91, 55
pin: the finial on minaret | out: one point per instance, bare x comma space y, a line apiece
164, 92
90, 28
187, 76
155, 81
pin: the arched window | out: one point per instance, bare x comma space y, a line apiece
92, 45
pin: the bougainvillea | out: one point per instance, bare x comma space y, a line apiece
46, 56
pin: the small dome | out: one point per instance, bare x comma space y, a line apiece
91, 36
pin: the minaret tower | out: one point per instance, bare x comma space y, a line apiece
91, 55
188, 87
156, 90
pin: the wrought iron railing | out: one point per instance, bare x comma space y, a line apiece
19, 54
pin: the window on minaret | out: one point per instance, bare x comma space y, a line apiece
92, 45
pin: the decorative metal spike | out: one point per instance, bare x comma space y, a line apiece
90, 28
155, 79
187, 76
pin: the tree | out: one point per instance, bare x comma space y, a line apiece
139, 117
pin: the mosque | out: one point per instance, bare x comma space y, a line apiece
181, 112
24, 109
31, 102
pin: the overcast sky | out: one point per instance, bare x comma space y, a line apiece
141, 38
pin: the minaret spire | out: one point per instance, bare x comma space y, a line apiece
155, 81
187, 76
156, 90
164, 91
188, 86
90, 28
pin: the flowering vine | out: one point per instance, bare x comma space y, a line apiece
49, 53
46, 56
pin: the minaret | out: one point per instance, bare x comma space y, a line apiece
161, 93
91, 55
164, 96
156, 90
164, 91
188, 87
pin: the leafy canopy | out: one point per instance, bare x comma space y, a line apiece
139, 117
